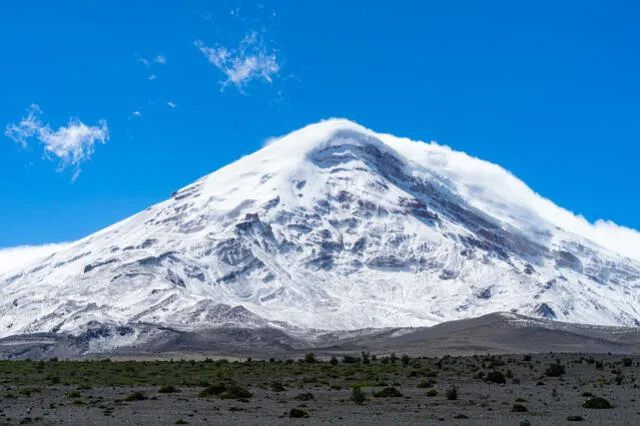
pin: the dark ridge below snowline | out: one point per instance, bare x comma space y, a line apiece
496, 333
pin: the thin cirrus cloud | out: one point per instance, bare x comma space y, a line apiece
70, 145
251, 60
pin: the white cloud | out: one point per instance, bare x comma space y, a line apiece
145, 62
171, 105
251, 60
160, 59
136, 113
71, 145
12, 259
152, 77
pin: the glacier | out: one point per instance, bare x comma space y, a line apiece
334, 227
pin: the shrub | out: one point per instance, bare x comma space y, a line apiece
426, 384
575, 419
358, 396
212, 390
526, 358
334, 360
519, 408
348, 359
432, 393
555, 370
310, 358
304, 397
388, 393
277, 387
235, 392
135, 396
297, 413
597, 403
452, 393
181, 422
74, 394
627, 362
587, 394
168, 389
496, 377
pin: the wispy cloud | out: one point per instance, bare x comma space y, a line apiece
250, 60
171, 105
71, 145
159, 59
152, 77
136, 113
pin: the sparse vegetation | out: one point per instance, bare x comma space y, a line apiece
409, 381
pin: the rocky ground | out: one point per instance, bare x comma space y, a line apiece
542, 389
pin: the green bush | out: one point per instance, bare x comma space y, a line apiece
555, 370
168, 389
388, 393
308, 396
597, 403
358, 396
432, 393
135, 396
297, 413
452, 393
519, 408
496, 377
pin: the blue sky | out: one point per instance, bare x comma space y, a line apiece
549, 90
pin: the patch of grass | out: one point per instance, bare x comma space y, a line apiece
555, 370
73, 394
426, 384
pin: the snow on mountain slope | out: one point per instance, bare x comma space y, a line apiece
335, 227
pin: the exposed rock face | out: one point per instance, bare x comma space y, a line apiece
332, 227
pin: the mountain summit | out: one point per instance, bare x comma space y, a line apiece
333, 227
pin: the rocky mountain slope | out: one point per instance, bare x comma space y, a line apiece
332, 227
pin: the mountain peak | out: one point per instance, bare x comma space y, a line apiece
334, 226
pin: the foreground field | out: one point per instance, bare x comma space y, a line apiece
544, 389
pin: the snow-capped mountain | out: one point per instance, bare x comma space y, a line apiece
333, 227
